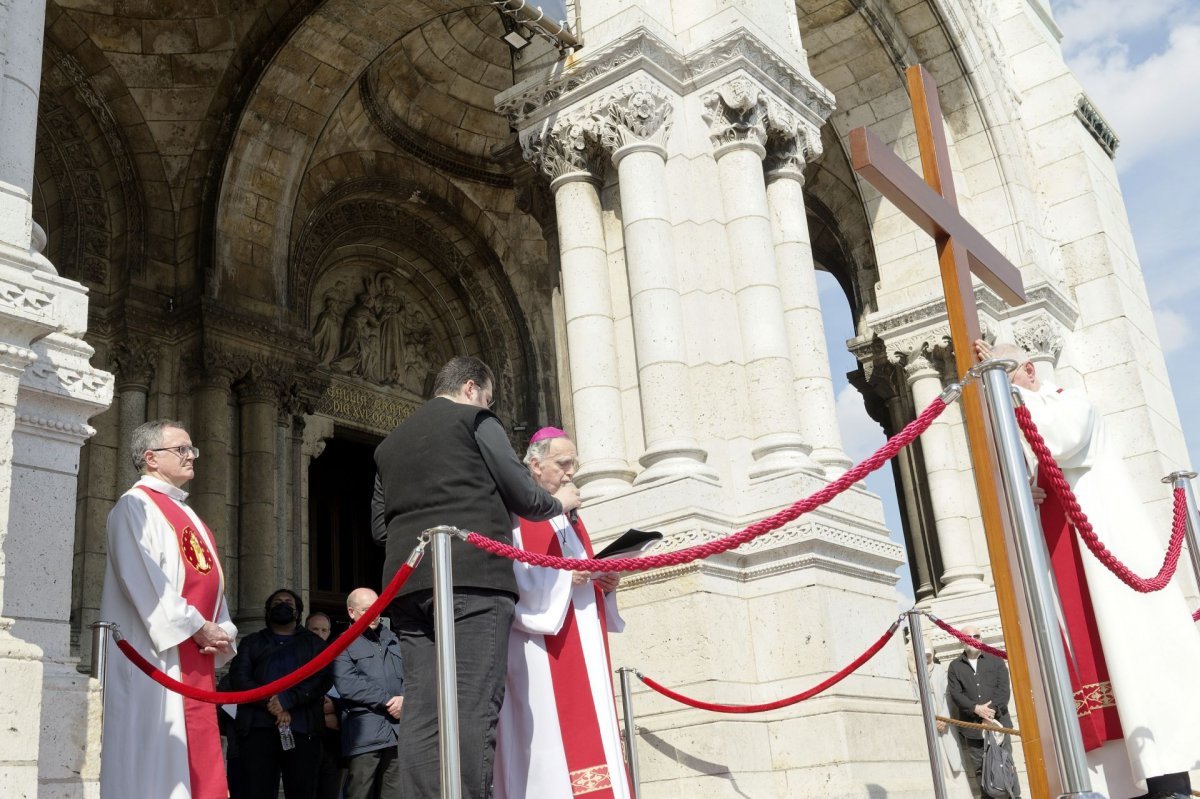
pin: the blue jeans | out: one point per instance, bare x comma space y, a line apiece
482, 621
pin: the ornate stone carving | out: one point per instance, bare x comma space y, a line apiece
571, 146
133, 365
1040, 336
931, 349
641, 51
377, 334
213, 367
23, 298
641, 112
736, 113
791, 146
1097, 125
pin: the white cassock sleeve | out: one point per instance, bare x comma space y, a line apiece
137, 551
544, 596
1067, 422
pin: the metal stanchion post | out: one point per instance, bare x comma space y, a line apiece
1184, 480
630, 730
447, 675
101, 634
1034, 564
927, 713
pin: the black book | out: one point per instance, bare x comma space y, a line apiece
630, 543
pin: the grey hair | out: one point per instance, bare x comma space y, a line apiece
149, 436
537, 450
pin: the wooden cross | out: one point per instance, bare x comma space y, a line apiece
962, 250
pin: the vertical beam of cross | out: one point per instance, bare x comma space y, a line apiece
962, 251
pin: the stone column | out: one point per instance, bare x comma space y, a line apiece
134, 369
571, 165
212, 432
258, 401
813, 386
960, 572
21, 48
634, 127
737, 117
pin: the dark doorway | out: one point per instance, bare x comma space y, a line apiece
342, 555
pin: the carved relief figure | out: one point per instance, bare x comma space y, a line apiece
327, 333
390, 307
360, 341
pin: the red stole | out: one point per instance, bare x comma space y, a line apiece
577, 719
202, 589
1094, 702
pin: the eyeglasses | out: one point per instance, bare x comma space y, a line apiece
183, 451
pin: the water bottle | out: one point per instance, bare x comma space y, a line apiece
286, 740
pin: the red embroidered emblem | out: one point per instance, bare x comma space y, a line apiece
195, 551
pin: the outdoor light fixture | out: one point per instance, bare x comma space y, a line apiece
522, 21
514, 38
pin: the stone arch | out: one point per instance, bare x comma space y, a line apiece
438, 249
278, 129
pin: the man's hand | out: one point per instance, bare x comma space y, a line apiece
212, 639
567, 496
942, 726
328, 708
579, 578
608, 580
394, 705
983, 350
1039, 494
986, 711
275, 707
283, 718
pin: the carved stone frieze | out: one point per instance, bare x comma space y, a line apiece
736, 112
640, 51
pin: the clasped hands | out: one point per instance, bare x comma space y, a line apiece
212, 639
986, 711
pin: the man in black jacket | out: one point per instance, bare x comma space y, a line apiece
369, 677
450, 463
979, 690
293, 715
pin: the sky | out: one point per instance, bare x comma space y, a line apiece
1140, 65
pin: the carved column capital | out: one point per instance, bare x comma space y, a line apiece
638, 114
213, 367
931, 351
1040, 336
570, 149
264, 381
134, 364
737, 114
791, 144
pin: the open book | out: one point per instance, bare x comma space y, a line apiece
630, 544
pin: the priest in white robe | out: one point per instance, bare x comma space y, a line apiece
1146, 642
558, 734
164, 588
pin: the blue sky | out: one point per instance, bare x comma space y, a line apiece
1140, 64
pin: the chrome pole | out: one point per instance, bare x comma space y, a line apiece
447, 676
1034, 565
1184, 480
101, 635
927, 713
630, 730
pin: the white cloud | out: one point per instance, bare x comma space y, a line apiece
861, 435
1140, 64
1174, 329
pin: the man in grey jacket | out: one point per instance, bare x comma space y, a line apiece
369, 677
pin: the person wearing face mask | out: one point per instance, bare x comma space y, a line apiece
369, 677
281, 736
558, 733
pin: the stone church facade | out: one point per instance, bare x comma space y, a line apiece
274, 219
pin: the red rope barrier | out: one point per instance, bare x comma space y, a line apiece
682, 556
1196, 615
968, 640
1081, 524
283, 683
791, 700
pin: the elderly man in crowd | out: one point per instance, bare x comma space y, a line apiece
558, 733
1133, 655
369, 677
164, 588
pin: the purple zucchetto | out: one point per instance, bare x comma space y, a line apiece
547, 432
